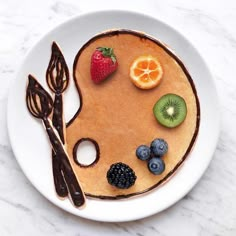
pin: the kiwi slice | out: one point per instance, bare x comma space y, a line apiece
170, 110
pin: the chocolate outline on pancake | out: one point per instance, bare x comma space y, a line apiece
75, 148
110, 33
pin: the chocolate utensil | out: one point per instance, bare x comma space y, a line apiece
40, 105
57, 77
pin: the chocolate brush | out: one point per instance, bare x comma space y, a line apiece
57, 77
40, 105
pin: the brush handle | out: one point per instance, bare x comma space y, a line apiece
74, 188
40, 104
59, 182
57, 117
57, 121
57, 77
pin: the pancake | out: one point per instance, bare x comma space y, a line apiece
117, 116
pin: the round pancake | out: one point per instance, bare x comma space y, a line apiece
118, 116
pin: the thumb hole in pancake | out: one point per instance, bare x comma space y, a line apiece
86, 152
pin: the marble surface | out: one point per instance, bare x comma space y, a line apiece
210, 208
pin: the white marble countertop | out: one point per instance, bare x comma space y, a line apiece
210, 208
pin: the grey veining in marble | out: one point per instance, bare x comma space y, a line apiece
210, 208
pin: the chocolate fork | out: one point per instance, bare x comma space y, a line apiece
57, 77
40, 104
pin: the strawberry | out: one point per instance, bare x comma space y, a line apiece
103, 63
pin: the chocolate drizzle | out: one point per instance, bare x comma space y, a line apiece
38, 100
57, 117
57, 77
74, 188
40, 104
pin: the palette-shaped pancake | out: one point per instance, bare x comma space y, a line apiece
118, 116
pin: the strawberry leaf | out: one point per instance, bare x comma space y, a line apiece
108, 52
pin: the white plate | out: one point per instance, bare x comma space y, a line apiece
31, 146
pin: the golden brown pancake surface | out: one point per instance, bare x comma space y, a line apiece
118, 116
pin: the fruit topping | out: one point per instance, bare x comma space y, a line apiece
146, 72
152, 155
143, 152
170, 110
103, 64
156, 165
121, 176
159, 147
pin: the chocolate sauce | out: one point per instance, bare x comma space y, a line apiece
59, 182
57, 117
57, 121
74, 188
57, 77
38, 100
57, 74
39, 104
142, 36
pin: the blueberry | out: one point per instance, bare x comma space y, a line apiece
159, 147
143, 152
156, 165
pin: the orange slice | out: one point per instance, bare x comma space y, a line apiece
146, 72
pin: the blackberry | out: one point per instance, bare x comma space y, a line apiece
121, 175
